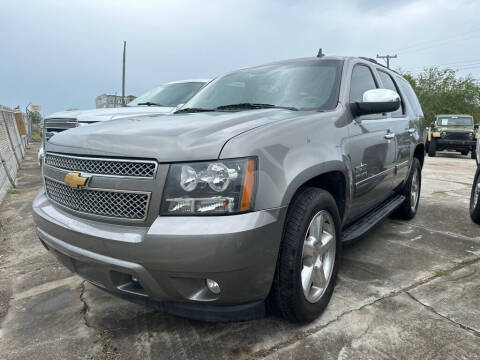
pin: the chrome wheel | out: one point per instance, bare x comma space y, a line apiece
318, 256
415, 190
476, 193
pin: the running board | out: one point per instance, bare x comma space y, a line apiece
371, 219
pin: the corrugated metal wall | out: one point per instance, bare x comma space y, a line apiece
12, 146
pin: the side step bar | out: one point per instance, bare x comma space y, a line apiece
371, 219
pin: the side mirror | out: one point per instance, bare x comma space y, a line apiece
377, 101
475, 126
179, 106
432, 125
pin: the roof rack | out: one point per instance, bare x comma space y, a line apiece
377, 63
370, 59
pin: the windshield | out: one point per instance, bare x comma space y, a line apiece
168, 95
455, 121
299, 84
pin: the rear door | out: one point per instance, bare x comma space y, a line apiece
372, 147
401, 128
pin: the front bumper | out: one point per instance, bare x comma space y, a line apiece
459, 143
171, 258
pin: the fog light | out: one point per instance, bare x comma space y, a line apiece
134, 279
213, 286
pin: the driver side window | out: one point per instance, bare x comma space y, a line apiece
361, 81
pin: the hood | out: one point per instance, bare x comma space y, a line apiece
97, 115
182, 137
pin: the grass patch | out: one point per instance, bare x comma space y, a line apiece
36, 136
441, 272
13, 191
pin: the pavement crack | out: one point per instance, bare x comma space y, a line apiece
455, 323
449, 181
405, 290
104, 336
85, 305
448, 233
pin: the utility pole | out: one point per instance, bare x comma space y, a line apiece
123, 73
387, 57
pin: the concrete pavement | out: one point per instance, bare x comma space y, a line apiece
408, 290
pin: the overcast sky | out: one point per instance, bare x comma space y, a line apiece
62, 54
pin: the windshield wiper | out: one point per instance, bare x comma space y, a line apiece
149, 103
253, 106
192, 110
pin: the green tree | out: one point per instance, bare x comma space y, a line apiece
441, 91
35, 116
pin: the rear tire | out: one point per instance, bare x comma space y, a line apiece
411, 191
473, 155
432, 148
475, 198
300, 292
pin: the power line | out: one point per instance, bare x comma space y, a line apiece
443, 43
422, 44
387, 58
455, 64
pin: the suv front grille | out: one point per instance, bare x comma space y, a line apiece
457, 136
114, 204
115, 167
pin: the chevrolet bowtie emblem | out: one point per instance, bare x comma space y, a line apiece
75, 180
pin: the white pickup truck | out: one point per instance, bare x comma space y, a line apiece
160, 100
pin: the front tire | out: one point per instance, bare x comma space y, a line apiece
464, 152
475, 198
473, 154
411, 191
309, 257
432, 148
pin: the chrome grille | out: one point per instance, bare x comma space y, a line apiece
115, 167
114, 204
60, 124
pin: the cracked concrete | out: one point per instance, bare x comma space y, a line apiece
390, 301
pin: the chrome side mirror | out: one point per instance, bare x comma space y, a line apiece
179, 106
377, 101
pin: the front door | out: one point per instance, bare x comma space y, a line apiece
372, 148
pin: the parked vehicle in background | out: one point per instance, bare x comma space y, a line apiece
244, 196
160, 100
475, 196
452, 132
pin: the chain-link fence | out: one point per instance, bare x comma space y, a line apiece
15, 133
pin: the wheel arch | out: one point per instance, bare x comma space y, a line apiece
332, 177
419, 153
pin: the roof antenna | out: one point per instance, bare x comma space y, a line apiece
320, 53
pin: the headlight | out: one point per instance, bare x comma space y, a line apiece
206, 188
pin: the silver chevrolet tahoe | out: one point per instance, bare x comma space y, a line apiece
240, 201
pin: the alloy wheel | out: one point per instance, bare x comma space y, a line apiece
415, 190
318, 256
